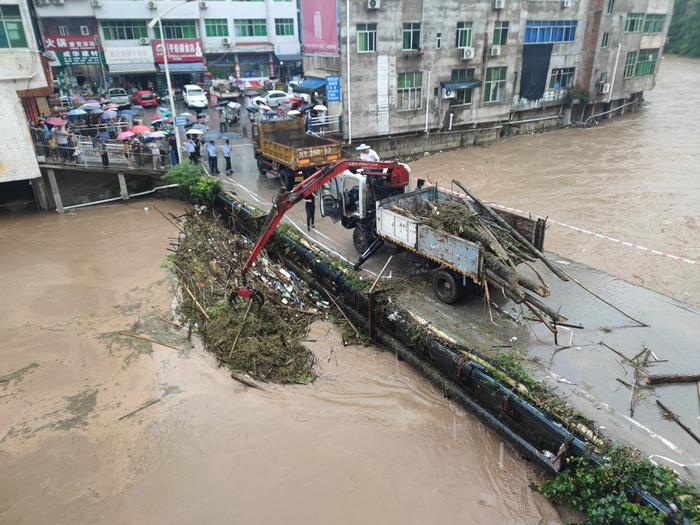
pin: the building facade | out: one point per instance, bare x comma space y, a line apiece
447, 65
251, 40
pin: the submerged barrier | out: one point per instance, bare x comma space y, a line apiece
541, 437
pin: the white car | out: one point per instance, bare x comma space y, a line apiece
194, 96
119, 97
273, 98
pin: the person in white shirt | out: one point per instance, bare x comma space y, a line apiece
367, 153
189, 146
226, 149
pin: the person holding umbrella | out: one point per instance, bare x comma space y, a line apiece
103, 153
213, 158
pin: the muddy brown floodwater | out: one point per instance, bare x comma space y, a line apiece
369, 442
634, 179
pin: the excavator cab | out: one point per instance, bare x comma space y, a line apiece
345, 197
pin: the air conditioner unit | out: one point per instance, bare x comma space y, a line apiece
202, 4
495, 51
152, 4
565, 3
448, 93
95, 3
144, 41
467, 53
374, 4
226, 41
605, 87
499, 4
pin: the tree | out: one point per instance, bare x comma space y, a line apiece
684, 33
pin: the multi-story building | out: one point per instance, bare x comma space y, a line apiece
250, 40
23, 91
488, 66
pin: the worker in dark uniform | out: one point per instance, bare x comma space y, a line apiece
310, 205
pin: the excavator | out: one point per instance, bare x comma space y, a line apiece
349, 191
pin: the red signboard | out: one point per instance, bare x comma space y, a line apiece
319, 21
71, 42
179, 50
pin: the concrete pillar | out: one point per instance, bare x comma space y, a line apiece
567, 115
54, 190
122, 186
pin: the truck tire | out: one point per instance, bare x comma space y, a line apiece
261, 167
447, 286
286, 178
361, 239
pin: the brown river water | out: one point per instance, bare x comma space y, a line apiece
369, 442
636, 179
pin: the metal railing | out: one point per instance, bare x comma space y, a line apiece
327, 125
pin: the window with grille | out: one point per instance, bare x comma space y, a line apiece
604, 42
366, 38
409, 92
462, 96
634, 22
177, 29
646, 62
654, 23
411, 36
549, 31
500, 33
12, 30
284, 26
250, 27
611, 6
216, 27
630, 62
495, 84
561, 78
124, 29
464, 34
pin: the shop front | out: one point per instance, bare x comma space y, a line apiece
185, 61
131, 67
77, 63
289, 67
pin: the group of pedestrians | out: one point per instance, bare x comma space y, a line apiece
193, 147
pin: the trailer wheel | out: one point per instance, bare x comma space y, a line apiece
447, 286
361, 239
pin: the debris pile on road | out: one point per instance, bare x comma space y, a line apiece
262, 341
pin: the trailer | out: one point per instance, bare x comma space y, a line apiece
457, 263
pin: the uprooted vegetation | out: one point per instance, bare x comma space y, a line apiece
264, 342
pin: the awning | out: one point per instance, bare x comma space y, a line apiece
312, 83
466, 84
133, 67
185, 67
289, 58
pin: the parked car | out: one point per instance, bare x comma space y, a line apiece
119, 96
194, 96
146, 98
273, 98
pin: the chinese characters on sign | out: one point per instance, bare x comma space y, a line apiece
78, 58
179, 50
128, 55
333, 88
71, 43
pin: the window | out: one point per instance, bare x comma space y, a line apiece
63, 30
611, 6
634, 22
604, 42
549, 31
495, 84
250, 27
124, 29
500, 33
438, 41
12, 31
284, 26
177, 29
561, 78
84, 30
409, 91
629, 64
646, 62
464, 34
462, 96
411, 36
366, 38
654, 23
216, 27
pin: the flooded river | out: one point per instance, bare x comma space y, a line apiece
98, 426
634, 179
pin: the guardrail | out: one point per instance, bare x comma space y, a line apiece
327, 125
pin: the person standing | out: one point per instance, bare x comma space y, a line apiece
213, 158
367, 153
103, 153
197, 150
174, 160
226, 149
189, 146
310, 206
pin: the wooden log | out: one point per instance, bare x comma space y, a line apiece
661, 379
668, 412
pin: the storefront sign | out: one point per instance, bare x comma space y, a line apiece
128, 55
72, 43
79, 58
179, 50
319, 21
333, 88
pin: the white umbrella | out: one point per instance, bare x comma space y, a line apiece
264, 107
194, 132
293, 112
234, 105
320, 107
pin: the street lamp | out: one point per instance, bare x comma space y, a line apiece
171, 98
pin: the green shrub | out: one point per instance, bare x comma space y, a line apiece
192, 177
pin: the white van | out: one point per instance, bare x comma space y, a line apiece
194, 96
118, 96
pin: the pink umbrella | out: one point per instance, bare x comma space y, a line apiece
111, 105
125, 135
156, 116
140, 129
55, 121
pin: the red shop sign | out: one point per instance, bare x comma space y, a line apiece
71, 42
179, 50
